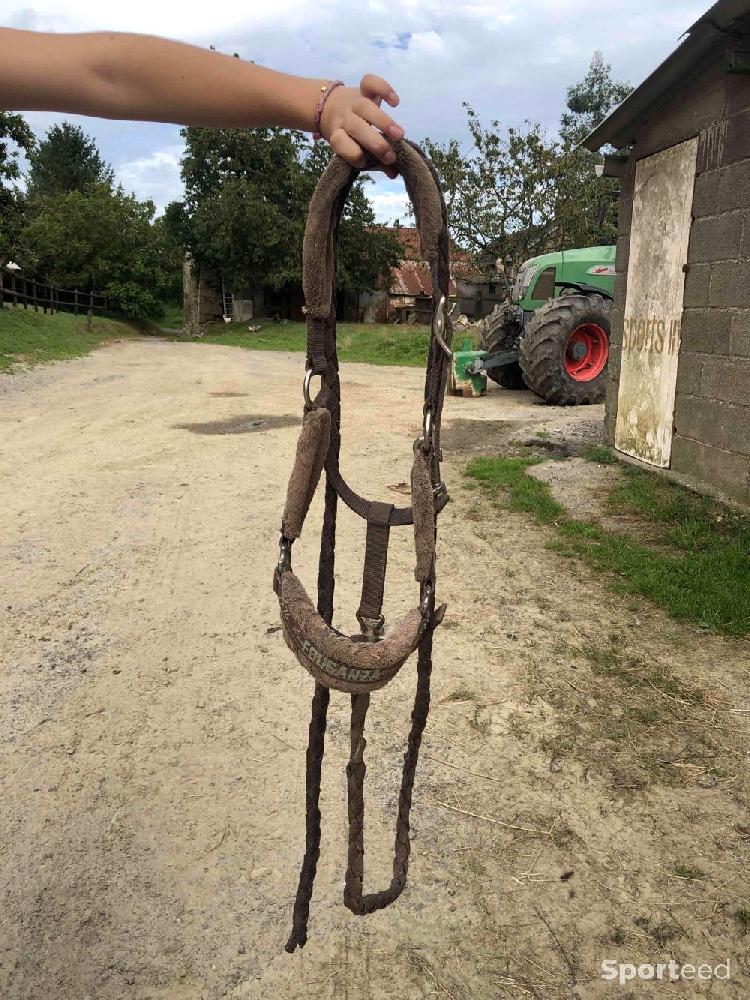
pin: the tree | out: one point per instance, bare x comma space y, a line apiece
246, 198
517, 193
101, 240
590, 101
15, 137
66, 160
580, 191
501, 195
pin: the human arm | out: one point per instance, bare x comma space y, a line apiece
143, 78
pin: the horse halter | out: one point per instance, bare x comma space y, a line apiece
362, 663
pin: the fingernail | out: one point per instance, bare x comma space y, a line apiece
393, 98
395, 132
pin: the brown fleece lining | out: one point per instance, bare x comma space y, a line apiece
423, 511
318, 253
336, 660
312, 448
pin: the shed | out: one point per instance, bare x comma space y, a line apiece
679, 388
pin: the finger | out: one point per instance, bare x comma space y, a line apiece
369, 138
342, 143
375, 86
371, 113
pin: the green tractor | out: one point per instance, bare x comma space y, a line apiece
553, 334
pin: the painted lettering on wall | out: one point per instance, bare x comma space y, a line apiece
651, 334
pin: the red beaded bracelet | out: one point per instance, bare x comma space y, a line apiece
325, 92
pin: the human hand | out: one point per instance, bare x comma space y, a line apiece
348, 118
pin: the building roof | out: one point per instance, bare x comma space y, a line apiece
413, 278
704, 42
412, 275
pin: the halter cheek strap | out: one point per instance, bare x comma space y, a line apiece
364, 662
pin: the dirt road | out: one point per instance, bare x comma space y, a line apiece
154, 725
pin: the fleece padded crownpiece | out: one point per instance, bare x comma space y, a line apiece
312, 448
319, 247
336, 660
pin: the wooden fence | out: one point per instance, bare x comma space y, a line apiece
23, 291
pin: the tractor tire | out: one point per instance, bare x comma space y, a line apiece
565, 349
508, 377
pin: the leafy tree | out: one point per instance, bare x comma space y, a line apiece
246, 199
66, 160
590, 101
517, 193
101, 240
501, 195
580, 191
15, 137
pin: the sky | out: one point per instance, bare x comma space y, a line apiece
512, 60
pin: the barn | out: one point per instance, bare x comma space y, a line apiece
678, 396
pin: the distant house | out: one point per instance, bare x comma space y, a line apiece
408, 298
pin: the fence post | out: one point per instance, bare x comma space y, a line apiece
1, 288
90, 311
75, 301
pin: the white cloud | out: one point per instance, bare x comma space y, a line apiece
511, 59
388, 203
156, 176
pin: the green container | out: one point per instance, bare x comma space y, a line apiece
462, 382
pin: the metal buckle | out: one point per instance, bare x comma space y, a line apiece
372, 628
439, 491
438, 326
285, 556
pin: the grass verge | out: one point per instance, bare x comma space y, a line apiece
172, 318
32, 338
636, 721
375, 344
697, 568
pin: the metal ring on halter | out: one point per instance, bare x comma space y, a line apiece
427, 431
306, 386
438, 326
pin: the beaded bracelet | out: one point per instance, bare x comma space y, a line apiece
325, 92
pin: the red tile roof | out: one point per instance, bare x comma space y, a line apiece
409, 278
413, 278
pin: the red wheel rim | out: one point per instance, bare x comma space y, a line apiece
586, 352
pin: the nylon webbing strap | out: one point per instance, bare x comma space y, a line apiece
316, 345
376, 559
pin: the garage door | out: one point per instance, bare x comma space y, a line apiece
662, 207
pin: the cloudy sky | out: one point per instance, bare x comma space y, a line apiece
511, 59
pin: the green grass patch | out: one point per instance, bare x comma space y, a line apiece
462, 693
172, 317
742, 916
697, 568
690, 872
523, 492
32, 338
368, 343
600, 454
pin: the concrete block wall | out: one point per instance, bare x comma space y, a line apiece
712, 407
